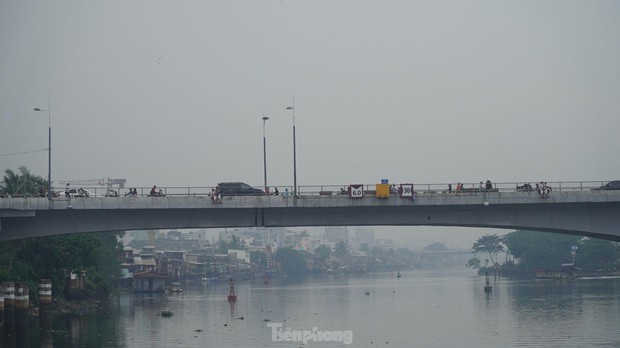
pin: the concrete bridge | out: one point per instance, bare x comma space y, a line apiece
576, 211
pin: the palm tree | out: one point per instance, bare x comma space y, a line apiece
490, 243
23, 183
474, 263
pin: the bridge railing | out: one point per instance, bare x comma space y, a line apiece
443, 188
343, 189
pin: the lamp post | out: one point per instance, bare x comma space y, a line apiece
49, 150
265, 118
292, 108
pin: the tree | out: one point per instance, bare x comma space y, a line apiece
436, 246
473, 263
378, 252
23, 183
341, 249
32, 259
596, 254
323, 252
539, 250
258, 257
364, 247
293, 261
235, 243
491, 244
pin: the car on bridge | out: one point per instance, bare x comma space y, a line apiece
612, 185
237, 189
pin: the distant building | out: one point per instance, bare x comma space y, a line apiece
359, 261
239, 255
178, 235
139, 235
149, 281
304, 244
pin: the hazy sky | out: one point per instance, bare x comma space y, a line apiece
172, 93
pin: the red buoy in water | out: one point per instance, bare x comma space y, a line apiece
231, 294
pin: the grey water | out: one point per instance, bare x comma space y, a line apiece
424, 308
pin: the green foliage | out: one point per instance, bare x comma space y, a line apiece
406, 254
323, 252
436, 246
540, 250
341, 249
473, 263
293, 261
23, 183
364, 247
258, 257
30, 260
491, 244
235, 243
596, 254
378, 252
544, 250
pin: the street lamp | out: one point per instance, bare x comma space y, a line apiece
292, 108
265, 118
49, 151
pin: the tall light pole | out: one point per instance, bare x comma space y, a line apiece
265, 118
292, 108
49, 150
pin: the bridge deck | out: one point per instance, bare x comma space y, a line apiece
595, 213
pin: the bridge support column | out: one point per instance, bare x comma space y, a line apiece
8, 292
1, 316
22, 314
45, 313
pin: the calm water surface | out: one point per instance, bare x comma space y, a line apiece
421, 309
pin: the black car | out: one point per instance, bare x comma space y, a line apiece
612, 185
237, 189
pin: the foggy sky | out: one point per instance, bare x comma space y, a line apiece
172, 93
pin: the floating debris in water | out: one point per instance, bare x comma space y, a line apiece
167, 314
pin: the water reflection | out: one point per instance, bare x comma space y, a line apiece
422, 309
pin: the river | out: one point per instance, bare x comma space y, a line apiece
422, 309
